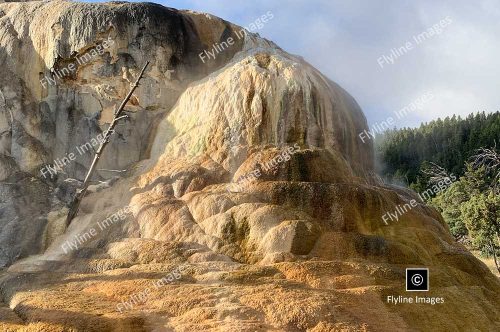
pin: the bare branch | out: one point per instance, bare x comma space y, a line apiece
75, 204
122, 117
488, 158
112, 170
435, 172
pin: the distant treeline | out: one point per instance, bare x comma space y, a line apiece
448, 143
468, 148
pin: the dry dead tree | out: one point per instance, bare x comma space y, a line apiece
435, 172
488, 158
75, 204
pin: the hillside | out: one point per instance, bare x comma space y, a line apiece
448, 142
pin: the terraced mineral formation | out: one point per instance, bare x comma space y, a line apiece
236, 198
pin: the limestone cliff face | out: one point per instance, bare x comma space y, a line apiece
66, 66
245, 170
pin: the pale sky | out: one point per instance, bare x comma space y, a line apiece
344, 39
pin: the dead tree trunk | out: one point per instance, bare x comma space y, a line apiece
75, 204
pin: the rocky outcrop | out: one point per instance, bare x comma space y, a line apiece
244, 200
78, 61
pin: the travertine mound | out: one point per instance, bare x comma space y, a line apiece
41, 123
248, 203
